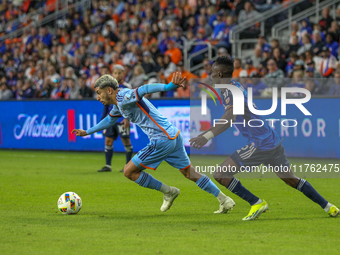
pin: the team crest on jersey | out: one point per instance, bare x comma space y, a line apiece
127, 96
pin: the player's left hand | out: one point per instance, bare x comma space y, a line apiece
126, 123
198, 142
79, 132
178, 80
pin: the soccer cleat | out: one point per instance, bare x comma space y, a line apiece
256, 210
105, 169
226, 206
169, 198
333, 211
121, 170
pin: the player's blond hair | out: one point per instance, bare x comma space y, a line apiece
106, 81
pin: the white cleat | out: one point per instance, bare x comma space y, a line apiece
226, 205
169, 198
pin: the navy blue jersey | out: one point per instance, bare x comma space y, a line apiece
264, 137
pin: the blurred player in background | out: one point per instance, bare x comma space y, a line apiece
166, 142
264, 146
122, 126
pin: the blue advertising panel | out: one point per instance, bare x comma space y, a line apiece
316, 135
47, 125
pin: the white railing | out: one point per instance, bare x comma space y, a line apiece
312, 11
235, 32
187, 57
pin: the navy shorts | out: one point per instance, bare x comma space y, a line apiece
251, 156
117, 129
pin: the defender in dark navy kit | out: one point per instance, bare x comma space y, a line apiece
262, 141
264, 146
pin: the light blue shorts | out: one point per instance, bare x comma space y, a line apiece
172, 151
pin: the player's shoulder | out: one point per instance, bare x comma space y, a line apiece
228, 93
239, 85
123, 91
126, 96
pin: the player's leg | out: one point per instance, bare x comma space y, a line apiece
128, 148
279, 159
179, 159
245, 156
150, 157
124, 134
108, 155
110, 135
233, 184
206, 184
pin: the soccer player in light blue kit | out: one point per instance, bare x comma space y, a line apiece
166, 142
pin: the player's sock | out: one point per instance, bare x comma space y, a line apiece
165, 189
308, 190
259, 202
108, 155
237, 188
128, 153
207, 185
328, 206
147, 181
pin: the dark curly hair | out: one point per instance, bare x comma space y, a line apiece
227, 63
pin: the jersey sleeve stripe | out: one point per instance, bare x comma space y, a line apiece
114, 116
147, 167
136, 91
157, 123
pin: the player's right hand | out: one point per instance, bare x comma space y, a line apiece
178, 80
79, 132
198, 142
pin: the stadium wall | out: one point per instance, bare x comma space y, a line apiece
46, 125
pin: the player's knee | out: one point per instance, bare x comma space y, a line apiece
126, 142
293, 182
108, 142
127, 173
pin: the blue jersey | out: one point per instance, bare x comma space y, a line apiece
131, 105
264, 137
140, 111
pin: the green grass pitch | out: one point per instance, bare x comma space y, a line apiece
119, 217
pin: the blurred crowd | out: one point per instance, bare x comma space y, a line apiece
150, 39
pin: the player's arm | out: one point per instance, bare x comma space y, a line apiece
219, 127
108, 121
176, 82
129, 97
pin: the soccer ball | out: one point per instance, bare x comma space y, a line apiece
69, 203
